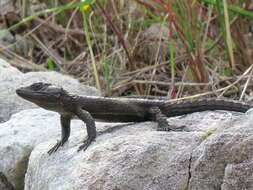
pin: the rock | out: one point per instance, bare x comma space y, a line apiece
133, 158
155, 43
21, 134
213, 152
11, 79
130, 157
7, 6
6, 39
225, 159
4, 183
138, 157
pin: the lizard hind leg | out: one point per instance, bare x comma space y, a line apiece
161, 119
90, 125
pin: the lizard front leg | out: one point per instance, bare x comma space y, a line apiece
65, 132
161, 119
90, 125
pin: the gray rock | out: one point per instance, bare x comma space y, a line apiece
21, 134
134, 158
11, 79
225, 159
6, 39
130, 157
138, 157
4, 183
6, 6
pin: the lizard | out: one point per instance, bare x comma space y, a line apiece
89, 108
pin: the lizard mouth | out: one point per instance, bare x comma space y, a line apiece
33, 95
26, 94
21, 92
42, 99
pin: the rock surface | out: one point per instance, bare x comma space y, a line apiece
133, 158
4, 183
225, 159
130, 157
21, 134
11, 79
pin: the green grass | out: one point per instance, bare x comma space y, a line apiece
235, 9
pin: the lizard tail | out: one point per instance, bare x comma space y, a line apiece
196, 105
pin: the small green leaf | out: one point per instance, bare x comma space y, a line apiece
50, 64
227, 72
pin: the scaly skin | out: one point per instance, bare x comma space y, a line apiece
89, 108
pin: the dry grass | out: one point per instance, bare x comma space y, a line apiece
143, 48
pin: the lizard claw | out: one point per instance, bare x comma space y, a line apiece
55, 147
85, 144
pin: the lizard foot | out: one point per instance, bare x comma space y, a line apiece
55, 147
85, 144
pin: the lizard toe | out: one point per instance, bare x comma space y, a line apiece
55, 147
85, 144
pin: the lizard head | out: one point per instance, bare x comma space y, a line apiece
44, 95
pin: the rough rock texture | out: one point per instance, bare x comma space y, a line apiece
225, 159
134, 158
130, 157
11, 79
21, 134
138, 157
6, 6
4, 183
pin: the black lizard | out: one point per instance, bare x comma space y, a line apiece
88, 108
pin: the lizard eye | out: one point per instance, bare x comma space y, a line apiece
39, 86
